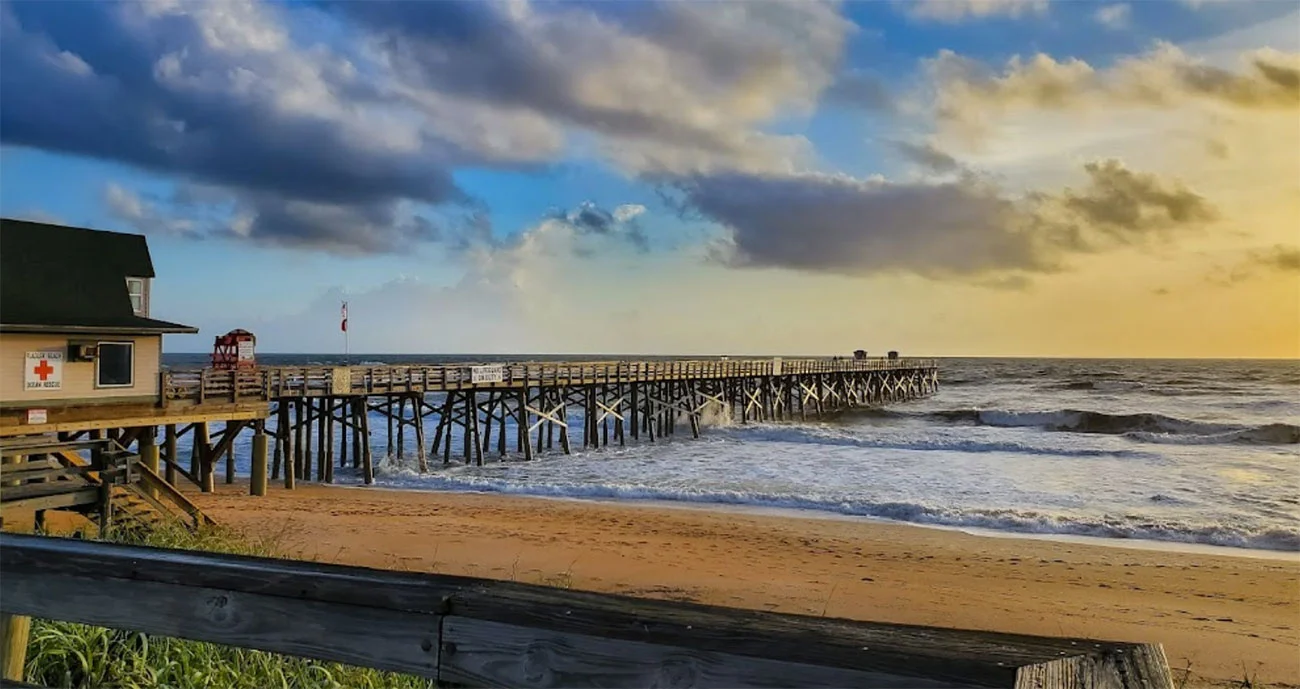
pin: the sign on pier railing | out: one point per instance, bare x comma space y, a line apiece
487, 374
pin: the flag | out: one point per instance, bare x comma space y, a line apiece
344, 325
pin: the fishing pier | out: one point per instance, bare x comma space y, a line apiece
307, 422
321, 416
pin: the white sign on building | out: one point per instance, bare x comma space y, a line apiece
487, 374
43, 371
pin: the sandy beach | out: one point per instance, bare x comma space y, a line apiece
1224, 617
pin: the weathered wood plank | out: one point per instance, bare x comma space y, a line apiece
374, 637
1141, 666
510, 634
493, 654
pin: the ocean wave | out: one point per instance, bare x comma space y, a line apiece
1268, 434
1147, 427
1020, 521
815, 435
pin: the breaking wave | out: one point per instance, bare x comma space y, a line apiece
1021, 521
1146, 427
829, 435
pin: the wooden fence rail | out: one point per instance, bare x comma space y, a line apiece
480, 632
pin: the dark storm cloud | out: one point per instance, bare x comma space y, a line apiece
963, 228
311, 133
1126, 204
113, 82
844, 225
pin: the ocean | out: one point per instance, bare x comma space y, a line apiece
1148, 451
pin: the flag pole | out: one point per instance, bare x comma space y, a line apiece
345, 333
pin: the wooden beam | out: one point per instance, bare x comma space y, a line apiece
497, 633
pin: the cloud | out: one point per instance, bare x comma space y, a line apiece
1125, 205
203, 211
1281, 258
1114, 16
668, 87
961, 229
588, 219
957, 10
38, 215
328, 144
220, 95
126, 206
860, 90
628, 211
970, 96
927, 155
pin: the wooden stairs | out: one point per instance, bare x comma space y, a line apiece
40, 473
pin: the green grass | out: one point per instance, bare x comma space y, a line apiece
62, 654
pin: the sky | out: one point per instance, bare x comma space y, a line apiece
938, 177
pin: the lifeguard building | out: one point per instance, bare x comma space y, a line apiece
80, 367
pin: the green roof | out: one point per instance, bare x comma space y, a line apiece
55, 278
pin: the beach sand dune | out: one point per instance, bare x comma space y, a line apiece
1225, 617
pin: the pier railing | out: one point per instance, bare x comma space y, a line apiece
478, 632
272, 382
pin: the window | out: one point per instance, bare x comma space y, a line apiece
135, 287
115, 365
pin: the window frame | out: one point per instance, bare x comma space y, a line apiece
143, 294
98, 359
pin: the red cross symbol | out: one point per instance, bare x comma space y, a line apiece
43, 369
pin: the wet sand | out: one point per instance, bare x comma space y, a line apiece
1225, 617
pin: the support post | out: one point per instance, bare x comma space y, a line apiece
345, 421
327, 461
293, 452
525, 440
322, 441
280, 432
15, 631
257, 483
203, 446
401, 426
367, 464
306, 409
149, 457
358, 410
170, 443
417, 411
230, 453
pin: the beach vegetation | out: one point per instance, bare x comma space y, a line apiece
73, 656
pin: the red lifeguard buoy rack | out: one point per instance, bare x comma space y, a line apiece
234, 350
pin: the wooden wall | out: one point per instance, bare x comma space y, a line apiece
78, 376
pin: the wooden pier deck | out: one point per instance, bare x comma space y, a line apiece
318, 417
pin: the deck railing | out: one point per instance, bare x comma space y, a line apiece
270, 382
478, 632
